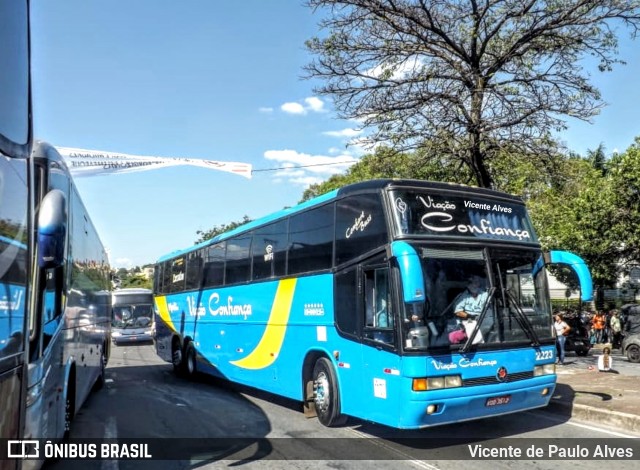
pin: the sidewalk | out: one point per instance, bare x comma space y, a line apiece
603, 398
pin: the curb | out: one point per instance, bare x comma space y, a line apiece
616, 419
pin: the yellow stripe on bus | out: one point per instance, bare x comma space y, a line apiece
163, 310
267, 350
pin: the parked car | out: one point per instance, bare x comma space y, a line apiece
631, 347
631, 331
578, 338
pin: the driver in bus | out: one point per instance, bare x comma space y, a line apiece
469, 305
471, 301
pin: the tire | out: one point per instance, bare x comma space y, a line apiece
633, 353
326, 396
582, 352
189, 365
103, 365
176, 358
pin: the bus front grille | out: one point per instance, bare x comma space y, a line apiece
493, 380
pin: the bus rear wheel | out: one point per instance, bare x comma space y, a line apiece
326, 397
190, 361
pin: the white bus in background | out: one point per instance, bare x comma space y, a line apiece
132, 318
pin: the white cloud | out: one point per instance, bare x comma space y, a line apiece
265, 110
293, 108
314, 104
304, 169
311, 104
399, 70
348, 132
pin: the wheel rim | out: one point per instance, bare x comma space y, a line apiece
634, 353
322, 396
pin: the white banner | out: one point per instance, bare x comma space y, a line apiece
82, 162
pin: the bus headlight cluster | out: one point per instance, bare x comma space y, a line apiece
544, 369
436, 383
34, 393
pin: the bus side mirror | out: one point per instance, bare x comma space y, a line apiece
574, 262
410, 271
52, 230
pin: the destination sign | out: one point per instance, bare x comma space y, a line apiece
429, 213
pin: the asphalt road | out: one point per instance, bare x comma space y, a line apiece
226, 426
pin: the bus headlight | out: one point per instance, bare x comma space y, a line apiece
436, 383
544, 369
34, 393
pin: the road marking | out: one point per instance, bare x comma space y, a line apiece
570, 421
406, 457
110, 432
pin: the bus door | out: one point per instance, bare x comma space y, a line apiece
380, 358
47, 338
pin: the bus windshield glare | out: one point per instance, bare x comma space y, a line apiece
489, 297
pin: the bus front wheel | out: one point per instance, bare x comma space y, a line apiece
325, 394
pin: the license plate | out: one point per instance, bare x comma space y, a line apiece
496, 401
578, 343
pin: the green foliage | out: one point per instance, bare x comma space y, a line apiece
136, 280
387, 163
132, 278
469, 78
594, 211
218, 229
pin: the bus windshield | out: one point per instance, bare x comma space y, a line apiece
132, 311
482, 297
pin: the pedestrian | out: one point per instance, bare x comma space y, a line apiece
598, 322
562, 330
616, 330
605, 361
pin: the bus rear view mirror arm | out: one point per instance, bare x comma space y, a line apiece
576, 263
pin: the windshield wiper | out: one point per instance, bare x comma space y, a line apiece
479, 321
524, 321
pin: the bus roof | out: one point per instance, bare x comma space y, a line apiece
364, 186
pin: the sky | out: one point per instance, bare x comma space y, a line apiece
217, 80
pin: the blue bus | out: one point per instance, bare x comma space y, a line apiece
359, 303
54, 276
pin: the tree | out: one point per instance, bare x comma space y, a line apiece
387, 163
624, 221
218, 229
466, 76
